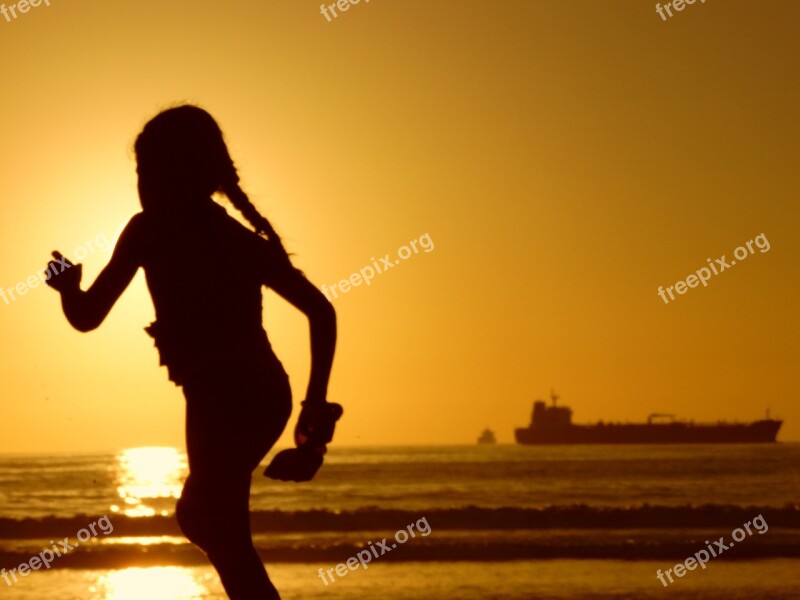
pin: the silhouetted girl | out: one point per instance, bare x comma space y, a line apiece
205, 273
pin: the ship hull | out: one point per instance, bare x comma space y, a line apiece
758, 432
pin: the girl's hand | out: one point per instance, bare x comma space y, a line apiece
62, 275
316, 424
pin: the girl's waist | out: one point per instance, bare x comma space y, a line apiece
184, 349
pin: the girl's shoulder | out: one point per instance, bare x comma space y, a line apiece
138, 223
266, 251
135, 228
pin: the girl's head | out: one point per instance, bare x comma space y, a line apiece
181, 155
182, 159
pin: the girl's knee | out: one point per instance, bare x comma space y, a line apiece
211, 525
191, 520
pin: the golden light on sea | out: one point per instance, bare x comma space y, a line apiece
165, 583
149, 480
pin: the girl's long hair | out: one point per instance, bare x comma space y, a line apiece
181, 154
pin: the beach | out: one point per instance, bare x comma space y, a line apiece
496, 521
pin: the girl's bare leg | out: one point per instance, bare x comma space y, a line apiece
229, 429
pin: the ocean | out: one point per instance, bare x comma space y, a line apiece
492, 521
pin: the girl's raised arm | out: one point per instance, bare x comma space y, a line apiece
87, 310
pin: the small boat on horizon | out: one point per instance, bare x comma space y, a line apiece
553, 425
487, 437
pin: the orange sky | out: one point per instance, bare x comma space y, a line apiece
566, 158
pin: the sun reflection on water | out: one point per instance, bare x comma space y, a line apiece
161, 583
149, 479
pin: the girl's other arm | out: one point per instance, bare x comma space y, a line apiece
293, 287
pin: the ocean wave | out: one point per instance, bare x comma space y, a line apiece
469, 518
439, 546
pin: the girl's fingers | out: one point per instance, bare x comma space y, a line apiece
60, 258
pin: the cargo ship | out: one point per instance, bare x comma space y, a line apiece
553, 425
